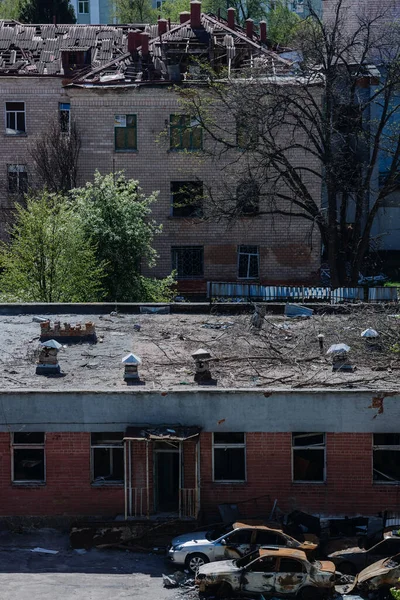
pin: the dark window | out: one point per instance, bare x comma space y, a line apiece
289, 565
387, 547
348, 118
28, 457
186, 198
248, 262
267, 538
64, 114
125, 129
386, 457
247, 133
83, 7
185, 133
188, 261
308, 456
17, 179
265, 564
107, 457
248, 197
240, 536
229, 458
15, 118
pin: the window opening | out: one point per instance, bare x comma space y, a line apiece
229, 451
17, 179
386, 457
248, 197
185, 133
15, 118
125, 133
186, 198
28, 457
188, 261
64, 114
248, 262
107, 457
308, 457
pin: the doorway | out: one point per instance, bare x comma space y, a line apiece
166, 471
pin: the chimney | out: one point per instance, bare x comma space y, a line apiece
195, 14
162, 26
263, 32
231, 18
184, 17
249, 28
144, 38
134, 41
54, 20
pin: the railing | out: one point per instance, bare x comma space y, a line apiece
137, 498
239, 292
188, 502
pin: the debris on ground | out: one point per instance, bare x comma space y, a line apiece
178, 579
44, 551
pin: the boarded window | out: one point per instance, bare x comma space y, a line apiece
188, 261
386, 457
187, 198
308, 456
248, 262
107, 457
125, 133
229, 457
15, 118
28, 457
185, 133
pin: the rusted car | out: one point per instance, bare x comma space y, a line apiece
378, 577
352, 560
277, 572
196, 549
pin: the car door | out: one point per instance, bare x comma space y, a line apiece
259, 576
291, 575
234, 545
385, 548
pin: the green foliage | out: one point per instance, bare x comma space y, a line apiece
43, 11
10, 9
395, 593
134, 11
116, 217
49, 258
157, 290
282, 24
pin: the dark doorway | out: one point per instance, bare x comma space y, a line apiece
167, 481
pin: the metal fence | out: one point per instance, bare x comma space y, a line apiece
248, 292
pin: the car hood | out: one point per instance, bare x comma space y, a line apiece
327, 565
307, 546
198, 537
217, 568
373, 570
355, 550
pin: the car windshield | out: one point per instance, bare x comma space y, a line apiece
217, 532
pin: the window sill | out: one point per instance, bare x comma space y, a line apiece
256, 279
28, 484
308, 483
386, 483
178, 218
235, 482
126, 151
185, 150
194, 278
112, 484
15, 135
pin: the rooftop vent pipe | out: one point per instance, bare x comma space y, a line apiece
249, 28
263, 32
195, 14
231, 18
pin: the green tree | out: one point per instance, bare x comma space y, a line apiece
117, 218
49, 258
10, 9
134, 11
44, 11
282, 24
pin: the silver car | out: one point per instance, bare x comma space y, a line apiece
196, 549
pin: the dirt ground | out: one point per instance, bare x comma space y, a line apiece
69, 575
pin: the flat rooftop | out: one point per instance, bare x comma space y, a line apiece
284, 353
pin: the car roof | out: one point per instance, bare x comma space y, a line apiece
283, 553
239, 525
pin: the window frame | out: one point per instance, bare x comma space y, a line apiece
17, 169
126, 128
175, 267
15, 113
62, 111
83, 3
384, 447
248, 254
312, 447
227, 446
108, 446
17, 446
182, 128
242, 185
195, 207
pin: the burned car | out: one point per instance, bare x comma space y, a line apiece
196, 549
352, 560
277, 572
380, 576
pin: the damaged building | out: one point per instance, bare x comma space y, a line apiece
117, 85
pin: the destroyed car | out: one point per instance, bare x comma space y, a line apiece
277, 572
380, 576
196, 549
352, 560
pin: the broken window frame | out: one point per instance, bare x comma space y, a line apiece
64, 112
247, 133
196, 274
127, 130
248, 198
35, 446
386, 480
14, 114
84, 4
241, 252
228, 446
181, 206
110, 445
186, 129
17, 179
319, 447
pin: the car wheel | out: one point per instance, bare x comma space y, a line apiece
310, 593
224, 591
347, 568
195, 561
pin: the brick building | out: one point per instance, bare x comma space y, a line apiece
89, 444
116, 85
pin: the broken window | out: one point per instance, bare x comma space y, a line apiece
83, 7
185, 133
107, 457
64, 109
266, 564
248, 262
186, 198
15, 118
246, 133
308, 456
386, 457
248, 197
290, 565
125, 133
188, 261
229, 451
28, 458
17, 179
267, 538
